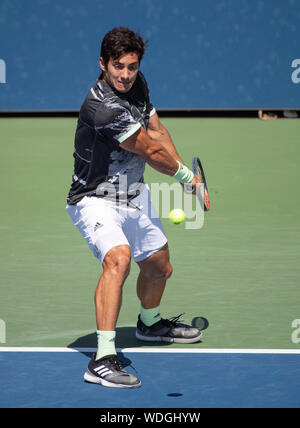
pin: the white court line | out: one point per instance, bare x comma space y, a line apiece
157, 350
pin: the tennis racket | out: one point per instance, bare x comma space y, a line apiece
202, 195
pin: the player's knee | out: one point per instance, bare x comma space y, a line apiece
122, 266
163, 273
169, 271
117, 262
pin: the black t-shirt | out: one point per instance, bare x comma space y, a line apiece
106, 119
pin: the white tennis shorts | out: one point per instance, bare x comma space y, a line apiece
105, 224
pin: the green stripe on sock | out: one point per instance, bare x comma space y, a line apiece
150, 316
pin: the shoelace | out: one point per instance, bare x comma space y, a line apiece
114, 361
172, 322
117, 364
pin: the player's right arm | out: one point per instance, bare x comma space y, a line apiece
154, 153
118, 124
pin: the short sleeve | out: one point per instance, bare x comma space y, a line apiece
152, 110
115, 122
145, 90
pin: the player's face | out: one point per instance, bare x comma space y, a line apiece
121, 73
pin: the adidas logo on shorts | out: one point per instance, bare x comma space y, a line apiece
97, 226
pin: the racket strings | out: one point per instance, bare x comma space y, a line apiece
199, 173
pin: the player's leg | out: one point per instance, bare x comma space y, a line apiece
154, 272
108, 294
104, 367
99, 225
151, 282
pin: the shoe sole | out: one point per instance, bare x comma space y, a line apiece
89, 377
167, 339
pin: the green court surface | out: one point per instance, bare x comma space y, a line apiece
240, 271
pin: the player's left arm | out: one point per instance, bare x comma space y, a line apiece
157, 132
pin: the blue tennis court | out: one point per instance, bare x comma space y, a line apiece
169, 380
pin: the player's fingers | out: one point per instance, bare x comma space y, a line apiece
190, 188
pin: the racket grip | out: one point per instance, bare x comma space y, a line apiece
188, 188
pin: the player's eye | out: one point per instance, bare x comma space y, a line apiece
133, 67
118, 66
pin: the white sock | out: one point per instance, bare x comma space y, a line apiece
106, 343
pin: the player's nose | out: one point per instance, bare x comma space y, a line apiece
125, 74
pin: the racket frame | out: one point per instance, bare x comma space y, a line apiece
203, 197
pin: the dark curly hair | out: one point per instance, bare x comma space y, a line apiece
120, 41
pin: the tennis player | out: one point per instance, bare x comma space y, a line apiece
118, 132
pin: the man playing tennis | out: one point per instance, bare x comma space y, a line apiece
118, 131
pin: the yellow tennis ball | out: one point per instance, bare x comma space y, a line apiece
177, 216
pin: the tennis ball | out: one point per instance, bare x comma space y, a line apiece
177, 216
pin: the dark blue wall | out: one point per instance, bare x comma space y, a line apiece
202, 54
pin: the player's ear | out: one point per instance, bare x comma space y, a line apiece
101, 63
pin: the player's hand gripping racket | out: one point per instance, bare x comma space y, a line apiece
202, 194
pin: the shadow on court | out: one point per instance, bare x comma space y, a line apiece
125, 337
